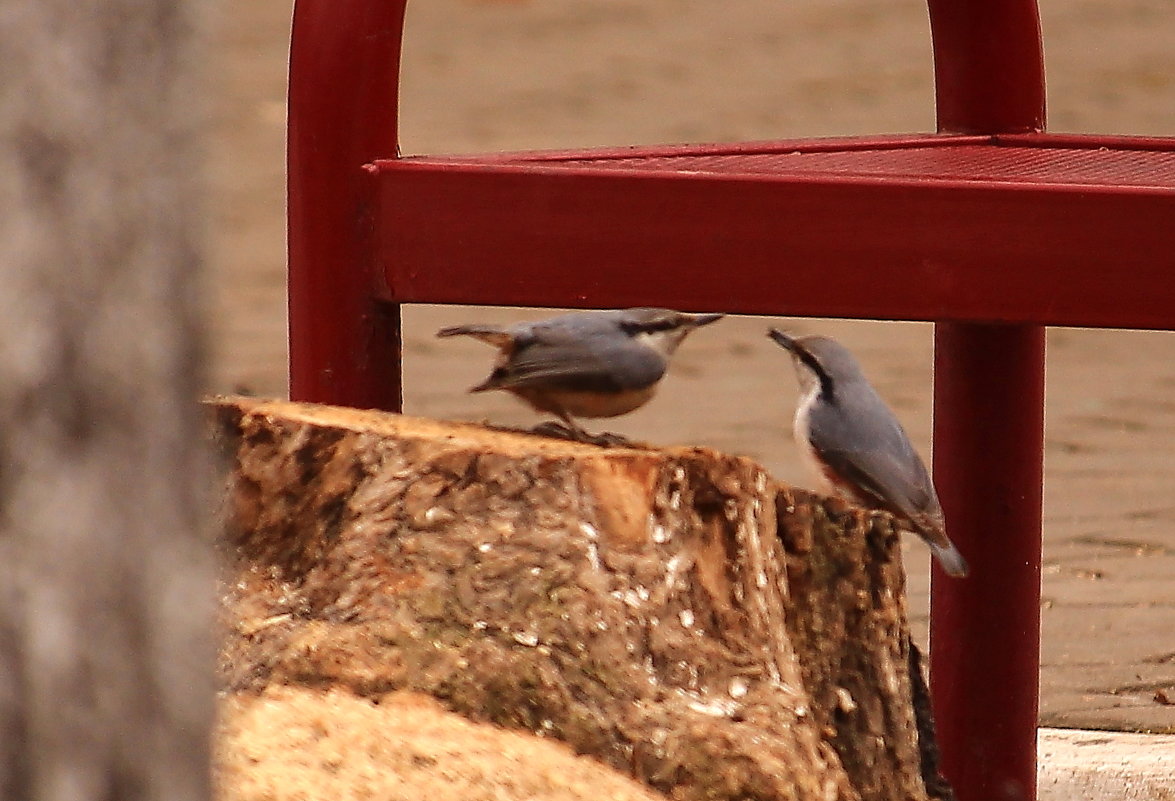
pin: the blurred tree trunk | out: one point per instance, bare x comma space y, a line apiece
105, 576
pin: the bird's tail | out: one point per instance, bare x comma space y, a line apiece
949, 558
930, 526
493, 382
492, 334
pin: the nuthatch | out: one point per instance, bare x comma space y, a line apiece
585, 364
857, 445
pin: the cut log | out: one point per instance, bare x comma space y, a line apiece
673, 613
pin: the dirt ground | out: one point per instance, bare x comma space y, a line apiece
552, 73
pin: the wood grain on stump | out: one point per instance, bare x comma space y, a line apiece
673, 613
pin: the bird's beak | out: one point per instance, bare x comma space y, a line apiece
699, 320
784, 340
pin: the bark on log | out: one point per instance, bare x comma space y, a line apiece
673, 613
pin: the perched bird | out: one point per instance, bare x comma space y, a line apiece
585, 364
857, 445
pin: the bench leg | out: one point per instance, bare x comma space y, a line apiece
985, 629
343, 105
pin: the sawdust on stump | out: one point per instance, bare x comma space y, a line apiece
294, 742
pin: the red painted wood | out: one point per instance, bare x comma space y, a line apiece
811, 244
344, 66
988, 66
989, 417
985, 630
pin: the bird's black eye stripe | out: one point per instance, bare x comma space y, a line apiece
662, 324
826, 386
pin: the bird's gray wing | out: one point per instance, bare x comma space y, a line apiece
553, 357
865, 443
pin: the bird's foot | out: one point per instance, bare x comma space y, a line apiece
557, 431
607, 439
563, 431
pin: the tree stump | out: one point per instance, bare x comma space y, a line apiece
674, 613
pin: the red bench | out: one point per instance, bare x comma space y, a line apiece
988, 227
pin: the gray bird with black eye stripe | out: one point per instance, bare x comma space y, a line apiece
853, 441
585, 364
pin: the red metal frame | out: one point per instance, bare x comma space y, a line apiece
988, 66
343, 112
750, 241
985, 631
989, 432
989, 227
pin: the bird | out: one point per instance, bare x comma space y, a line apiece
585, 364
854, 442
